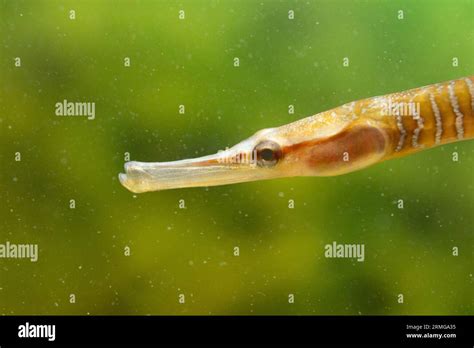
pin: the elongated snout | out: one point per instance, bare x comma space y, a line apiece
226, 167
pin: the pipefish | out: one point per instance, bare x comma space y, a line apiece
338, 141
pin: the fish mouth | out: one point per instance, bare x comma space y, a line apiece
219, 169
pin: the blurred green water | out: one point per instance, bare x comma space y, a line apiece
190, 251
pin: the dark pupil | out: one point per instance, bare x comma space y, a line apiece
267, 154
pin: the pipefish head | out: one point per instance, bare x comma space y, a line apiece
262, 156
312, 146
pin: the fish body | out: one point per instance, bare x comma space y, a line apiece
338, 141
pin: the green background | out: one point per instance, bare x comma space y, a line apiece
190, 251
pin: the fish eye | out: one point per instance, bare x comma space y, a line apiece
268, 153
